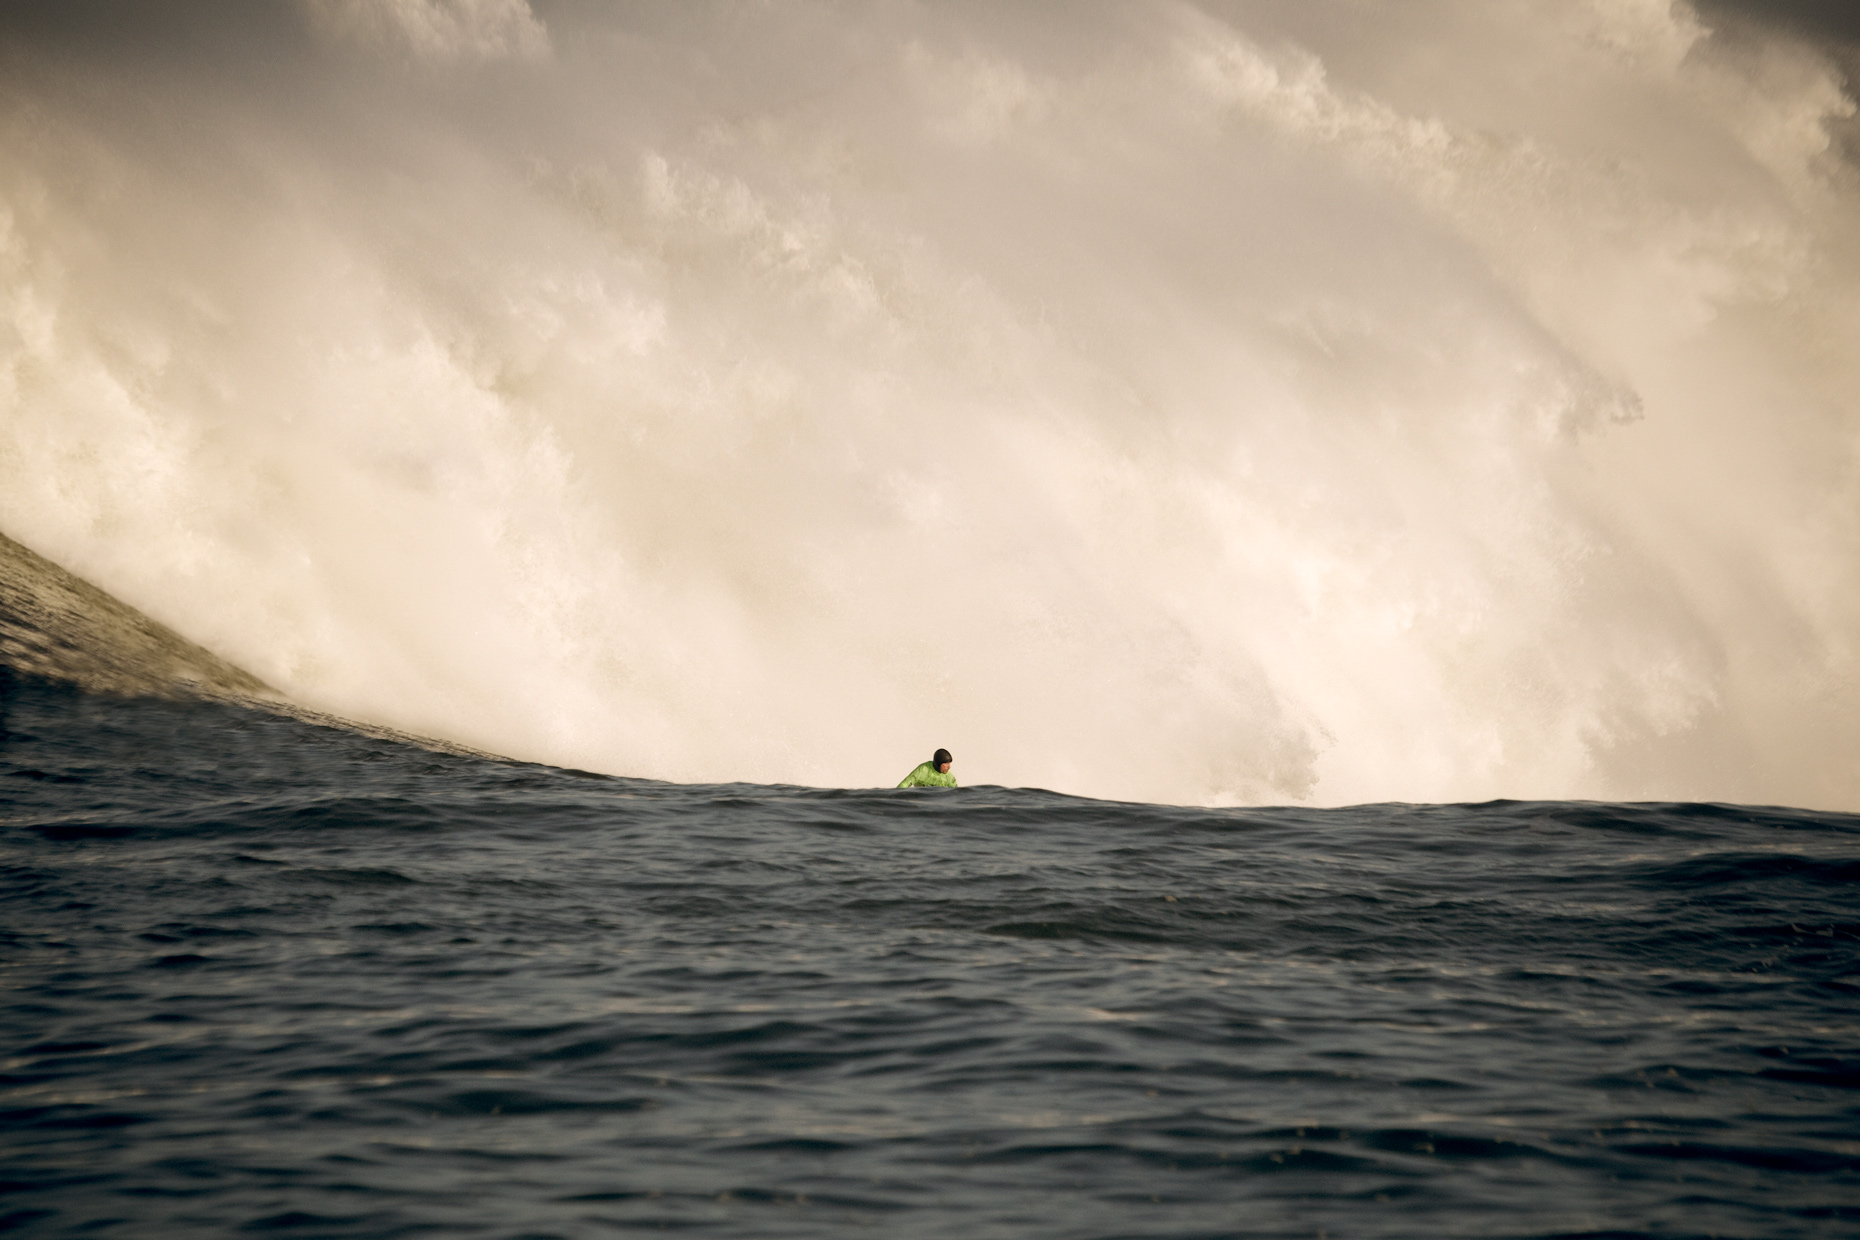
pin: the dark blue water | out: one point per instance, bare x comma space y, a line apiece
263, 976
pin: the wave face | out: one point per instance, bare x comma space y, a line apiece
1190, 403
268, 977
56, 627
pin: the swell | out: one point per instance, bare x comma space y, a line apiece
265, 975
56, 627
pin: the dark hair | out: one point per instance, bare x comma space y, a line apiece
942, 756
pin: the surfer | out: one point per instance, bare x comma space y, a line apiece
931, 774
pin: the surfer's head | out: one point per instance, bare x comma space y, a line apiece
942, 760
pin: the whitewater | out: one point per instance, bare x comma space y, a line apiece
1233, 403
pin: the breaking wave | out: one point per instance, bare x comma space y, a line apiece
1184, 403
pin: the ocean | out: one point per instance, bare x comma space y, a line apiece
264, 976
1254, 436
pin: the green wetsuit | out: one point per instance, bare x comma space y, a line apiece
927, 776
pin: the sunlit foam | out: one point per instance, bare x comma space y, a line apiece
1175, 403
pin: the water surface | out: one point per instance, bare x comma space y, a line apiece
266, 976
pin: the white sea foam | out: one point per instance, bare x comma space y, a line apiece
1229, 402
